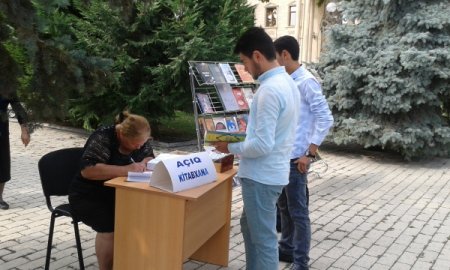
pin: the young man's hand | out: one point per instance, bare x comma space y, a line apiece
221, 147
303, 164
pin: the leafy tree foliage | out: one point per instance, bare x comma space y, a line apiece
94, 58
387, 78
11, 53
8, 67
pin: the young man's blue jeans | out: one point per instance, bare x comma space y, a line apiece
258, 223
295, 223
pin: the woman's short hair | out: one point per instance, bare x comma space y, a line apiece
132, 125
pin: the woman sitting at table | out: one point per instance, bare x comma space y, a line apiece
109, 152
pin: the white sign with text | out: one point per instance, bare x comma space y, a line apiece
184, 172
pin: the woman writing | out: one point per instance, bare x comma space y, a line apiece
108, 153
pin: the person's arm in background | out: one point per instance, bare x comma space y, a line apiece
22, 118
323, 119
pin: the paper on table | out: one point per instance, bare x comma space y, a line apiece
184, 172
139, 176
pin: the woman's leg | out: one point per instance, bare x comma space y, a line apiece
3, 204
2, 186
5, 163
104, 248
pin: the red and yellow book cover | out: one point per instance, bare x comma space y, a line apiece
240, 98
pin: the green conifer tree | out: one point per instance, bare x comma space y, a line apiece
92, 59
387, 77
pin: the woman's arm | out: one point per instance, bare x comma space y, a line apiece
101, 171
22, 118
20, 112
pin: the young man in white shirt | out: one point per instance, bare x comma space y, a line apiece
314, 122
264, 155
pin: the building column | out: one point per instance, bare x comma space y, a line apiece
305, 45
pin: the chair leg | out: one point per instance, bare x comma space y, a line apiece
77, 239
50, 239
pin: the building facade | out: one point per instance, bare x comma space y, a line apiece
301, 19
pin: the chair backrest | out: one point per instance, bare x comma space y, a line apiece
57, 170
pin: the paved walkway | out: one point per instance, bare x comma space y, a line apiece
368, 211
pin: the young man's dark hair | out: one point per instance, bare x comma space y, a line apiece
255, 39
289, 44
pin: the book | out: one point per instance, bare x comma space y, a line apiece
204, 72
209, 124
248, 93
217, 136
139, 176
201, 125
204, 103
227, 97
228, 73
245, 76
240, 98
232, 125
242, 120
220, 124
216, 73
215, 101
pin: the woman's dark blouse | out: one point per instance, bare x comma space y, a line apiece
103, 147
17, 108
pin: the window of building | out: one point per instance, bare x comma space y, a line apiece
271, 16
292, 15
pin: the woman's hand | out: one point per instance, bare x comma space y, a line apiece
25, 136
137, 166
147, 159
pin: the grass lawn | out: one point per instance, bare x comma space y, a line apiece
179, 128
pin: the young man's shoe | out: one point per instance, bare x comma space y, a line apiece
4, 205
297, 267
285, 257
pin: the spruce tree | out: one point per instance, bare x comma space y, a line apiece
150, 47
387, 75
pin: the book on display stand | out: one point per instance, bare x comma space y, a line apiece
223, 93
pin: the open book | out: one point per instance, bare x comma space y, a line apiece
139, 176
219, 136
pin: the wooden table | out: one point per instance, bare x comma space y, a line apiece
159, 230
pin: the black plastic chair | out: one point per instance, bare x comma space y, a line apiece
57, 169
